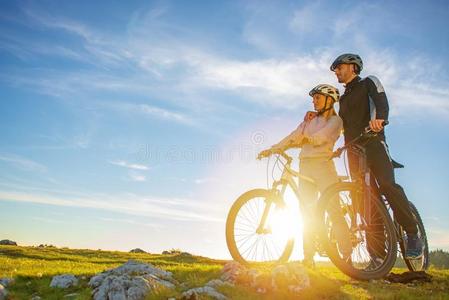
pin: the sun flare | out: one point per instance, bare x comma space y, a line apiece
286, 223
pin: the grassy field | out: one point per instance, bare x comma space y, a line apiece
33, 269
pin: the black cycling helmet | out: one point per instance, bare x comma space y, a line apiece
348, 58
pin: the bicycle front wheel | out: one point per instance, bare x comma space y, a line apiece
247, 240
357, 231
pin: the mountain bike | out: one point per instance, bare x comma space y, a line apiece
251, 234
374, 232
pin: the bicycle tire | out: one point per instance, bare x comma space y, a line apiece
330, 249
230, 226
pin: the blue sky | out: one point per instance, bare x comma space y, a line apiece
136, 124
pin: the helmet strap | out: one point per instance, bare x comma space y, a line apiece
322, 111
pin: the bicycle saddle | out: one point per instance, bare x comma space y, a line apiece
396, 165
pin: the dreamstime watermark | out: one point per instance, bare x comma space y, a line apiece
243, 152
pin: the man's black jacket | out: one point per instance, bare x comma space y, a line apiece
362, 100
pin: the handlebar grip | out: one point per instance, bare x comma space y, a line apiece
385, 123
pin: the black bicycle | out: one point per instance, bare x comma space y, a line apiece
374, 232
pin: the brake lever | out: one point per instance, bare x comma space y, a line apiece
336, 153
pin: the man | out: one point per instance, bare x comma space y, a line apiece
364, 103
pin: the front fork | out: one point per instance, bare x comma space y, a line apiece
276, 197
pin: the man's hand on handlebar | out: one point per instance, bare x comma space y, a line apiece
369, 132
377, 125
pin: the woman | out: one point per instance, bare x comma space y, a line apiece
317, 136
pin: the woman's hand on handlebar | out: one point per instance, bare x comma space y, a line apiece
264, 153
268, 152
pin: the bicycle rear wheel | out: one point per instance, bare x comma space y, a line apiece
245, 242
372, 239
422, 263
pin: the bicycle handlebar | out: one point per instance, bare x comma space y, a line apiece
367, 133
284, 155
280, 152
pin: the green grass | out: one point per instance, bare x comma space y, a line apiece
33, 269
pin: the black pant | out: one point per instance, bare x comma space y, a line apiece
378, 161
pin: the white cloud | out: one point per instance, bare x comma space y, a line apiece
206, 180
151, 111
128, 165
137, 177
276, 82
179, 68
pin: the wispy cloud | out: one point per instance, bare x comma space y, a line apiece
22, 162
140, 207
148, 110
47, 220
128, 165
206, 180
95, 43
137, 177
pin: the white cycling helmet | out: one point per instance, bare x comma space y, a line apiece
326, 90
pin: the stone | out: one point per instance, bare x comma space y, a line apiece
64, 281
217, 282
281, 277
97, 280
132, 280
233, 271
137, 250
207, 290
156, 282
291, 277
300, 275
3, 292
142, 268
8, 243
6, 281
263, 283
185, 254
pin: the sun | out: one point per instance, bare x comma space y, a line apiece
286, 223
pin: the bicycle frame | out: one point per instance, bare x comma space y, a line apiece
363, 175
287, 179
363, 178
